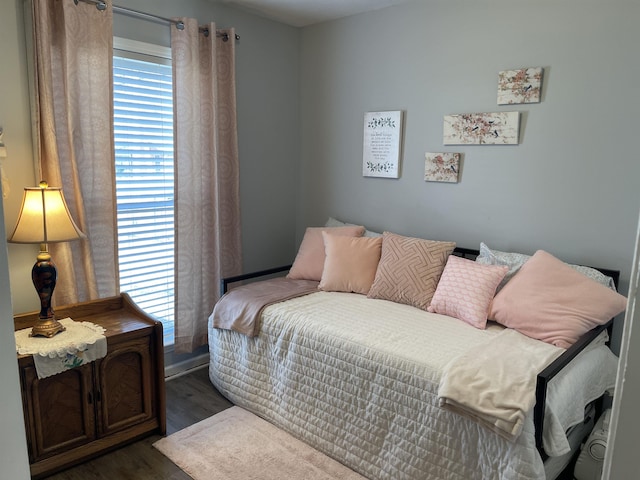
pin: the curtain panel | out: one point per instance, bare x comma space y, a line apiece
207, 204
74, 138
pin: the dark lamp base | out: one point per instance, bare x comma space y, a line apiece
44, 276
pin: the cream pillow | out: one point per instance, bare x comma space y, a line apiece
309, 261
409, 269
465, 290
550, 301
350, 263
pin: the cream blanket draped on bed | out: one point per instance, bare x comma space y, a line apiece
494, 382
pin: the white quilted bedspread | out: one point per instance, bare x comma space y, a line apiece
357, 379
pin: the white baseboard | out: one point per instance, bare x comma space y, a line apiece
186, 366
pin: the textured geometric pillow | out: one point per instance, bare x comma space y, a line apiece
409, 269
465, 290
550, 301
350, 264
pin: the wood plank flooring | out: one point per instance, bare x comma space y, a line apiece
190, 398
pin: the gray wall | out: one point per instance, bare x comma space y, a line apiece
570, 187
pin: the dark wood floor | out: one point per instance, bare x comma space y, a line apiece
190, 398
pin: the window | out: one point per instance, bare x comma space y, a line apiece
143, 139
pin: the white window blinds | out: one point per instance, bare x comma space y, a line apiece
143, 137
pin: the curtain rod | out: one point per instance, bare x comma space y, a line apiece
101, 5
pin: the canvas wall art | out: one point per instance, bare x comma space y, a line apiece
381, 146
498, 128
442, 167
519, 86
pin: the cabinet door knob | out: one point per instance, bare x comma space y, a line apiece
90, 398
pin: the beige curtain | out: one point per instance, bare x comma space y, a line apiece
74, 132
207, 201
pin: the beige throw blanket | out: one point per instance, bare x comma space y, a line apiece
240, 309
494, 382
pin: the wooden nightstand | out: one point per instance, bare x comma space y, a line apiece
83, 412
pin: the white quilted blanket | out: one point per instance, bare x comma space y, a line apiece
358, 379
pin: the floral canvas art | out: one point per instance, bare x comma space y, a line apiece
519, 86
499, 128
441, 167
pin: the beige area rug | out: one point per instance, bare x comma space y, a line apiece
237, 445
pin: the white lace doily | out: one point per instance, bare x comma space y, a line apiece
76, 338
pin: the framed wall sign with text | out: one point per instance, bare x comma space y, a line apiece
381, 146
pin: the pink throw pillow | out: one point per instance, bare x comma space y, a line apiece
350, 264
465, 290
309, 261
550, 301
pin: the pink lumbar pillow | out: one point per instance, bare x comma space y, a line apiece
309, 261
465, 290
550, 301
350, 264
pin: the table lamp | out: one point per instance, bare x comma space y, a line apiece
45, 218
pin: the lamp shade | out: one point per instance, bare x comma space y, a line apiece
44, 217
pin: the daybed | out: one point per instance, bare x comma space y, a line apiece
385, 386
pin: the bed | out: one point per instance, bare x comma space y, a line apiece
361, 380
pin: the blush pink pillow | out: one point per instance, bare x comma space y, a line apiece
350, 264
465, 290
550, 301
309, 261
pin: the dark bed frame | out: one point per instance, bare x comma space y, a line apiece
544, 377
